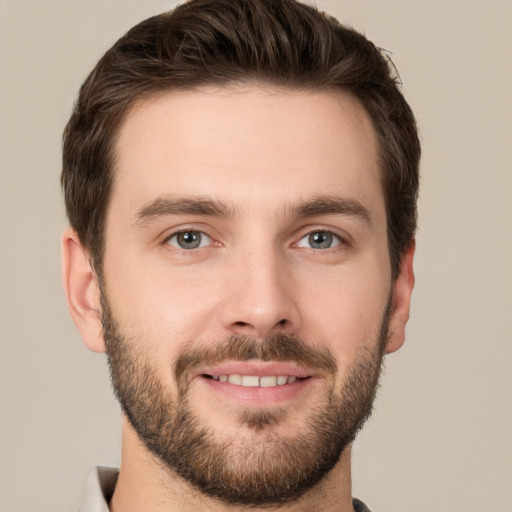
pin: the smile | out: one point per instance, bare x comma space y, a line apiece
257, 383
266, 381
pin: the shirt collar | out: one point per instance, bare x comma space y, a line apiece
99, 489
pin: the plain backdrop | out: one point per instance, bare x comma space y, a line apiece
441, 435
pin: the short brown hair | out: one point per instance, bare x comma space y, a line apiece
221, 42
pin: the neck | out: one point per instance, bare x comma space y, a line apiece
145, 484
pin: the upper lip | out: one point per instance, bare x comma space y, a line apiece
259, 368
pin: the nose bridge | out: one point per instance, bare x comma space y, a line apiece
260, 299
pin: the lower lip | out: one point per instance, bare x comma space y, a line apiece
256, 395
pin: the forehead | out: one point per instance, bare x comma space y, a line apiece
247, 146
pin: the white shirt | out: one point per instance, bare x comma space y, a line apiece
99, 489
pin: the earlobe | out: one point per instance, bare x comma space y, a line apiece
402, 291
82, 291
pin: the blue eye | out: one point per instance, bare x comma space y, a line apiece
320, 240
189, 239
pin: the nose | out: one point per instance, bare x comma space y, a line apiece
260, 296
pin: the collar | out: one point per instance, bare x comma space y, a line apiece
99, 489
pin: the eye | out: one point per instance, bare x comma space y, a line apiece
319, 240
189, 239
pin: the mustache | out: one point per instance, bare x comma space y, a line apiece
279, 347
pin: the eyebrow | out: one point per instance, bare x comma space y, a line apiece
332, 205
322, 205
166, 205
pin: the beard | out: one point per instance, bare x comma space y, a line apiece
267, 468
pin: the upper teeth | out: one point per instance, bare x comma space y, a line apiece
254, 380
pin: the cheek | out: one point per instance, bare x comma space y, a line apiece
168, 306
159, 317
346, 311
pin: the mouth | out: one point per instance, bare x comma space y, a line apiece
257, 383
254, 381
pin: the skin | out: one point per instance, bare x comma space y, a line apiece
261, 152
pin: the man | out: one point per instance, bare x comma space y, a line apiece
241, 183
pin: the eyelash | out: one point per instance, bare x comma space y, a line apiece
332, 238
337, 239
184, 250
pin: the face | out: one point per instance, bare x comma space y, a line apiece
247, 293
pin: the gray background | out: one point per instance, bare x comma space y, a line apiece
440, 438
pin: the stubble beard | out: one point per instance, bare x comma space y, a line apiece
267, 468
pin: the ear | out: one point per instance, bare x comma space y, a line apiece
402, 291
82, 291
